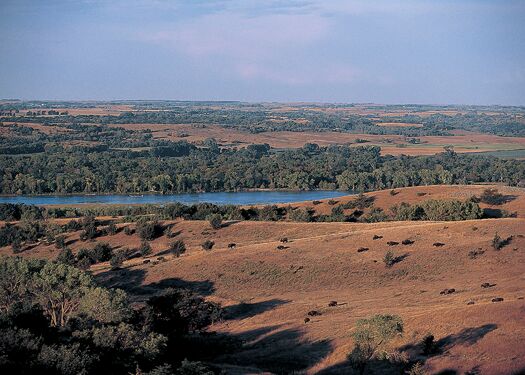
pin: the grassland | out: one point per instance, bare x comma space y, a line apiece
268, 292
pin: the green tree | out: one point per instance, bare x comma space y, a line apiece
372, 337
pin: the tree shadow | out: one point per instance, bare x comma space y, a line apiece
400, 258
467, 336
132, 282
497, 213
280, 352
248, 310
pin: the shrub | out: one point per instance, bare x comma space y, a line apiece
215, 221
72, 226
492, 197
361, 202
148, 230
332, 202
60, 242
66, 256
389, 258
144, 248
429, 345
16, 247
116, 261
128, 230
111, 229
207, 245
372, 337
177, 248
300, 214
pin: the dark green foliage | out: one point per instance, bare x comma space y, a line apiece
215, 221
128, 230
111, 229
227, 170
301, 214
371, 337
177, 248
66, 256
100, 333
144, 248
438, 210
60, 242
148, 230
361, 202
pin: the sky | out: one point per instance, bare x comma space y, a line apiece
344, 51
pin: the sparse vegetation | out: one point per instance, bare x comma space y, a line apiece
389, 258
177, 248
215, 221
372, 337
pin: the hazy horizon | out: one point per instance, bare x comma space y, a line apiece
353, 52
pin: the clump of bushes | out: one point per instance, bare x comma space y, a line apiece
178, 248
361, 202
148, 230
215, 221
492, 197
437, 210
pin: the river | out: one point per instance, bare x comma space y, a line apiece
237, 198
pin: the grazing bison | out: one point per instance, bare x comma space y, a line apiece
361, 249
376, 237
306, 320
146, 261
283, 240
407, 242
332, 304
392, 243
281, 247
231, 246
438, 244
448, 291
497, 299
314, 313
487, 285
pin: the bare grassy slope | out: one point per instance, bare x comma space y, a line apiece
267, 292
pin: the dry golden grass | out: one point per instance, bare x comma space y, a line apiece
320, 263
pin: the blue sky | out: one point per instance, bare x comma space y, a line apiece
438, 52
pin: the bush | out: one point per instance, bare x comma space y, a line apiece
207, 245
16, 247
389, 258
66, 256
372, 337
116, 261
215, 221
177, 248
60, 242
128, 230
144, 248
148, 230
111, 229
300, 214
492, 197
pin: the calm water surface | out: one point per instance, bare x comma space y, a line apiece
239, 198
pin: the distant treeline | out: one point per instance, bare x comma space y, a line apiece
257, 119
180, 167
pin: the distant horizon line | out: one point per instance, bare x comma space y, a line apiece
256, 102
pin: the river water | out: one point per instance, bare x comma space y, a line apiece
237, 198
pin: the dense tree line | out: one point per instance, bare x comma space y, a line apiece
212, 169
56, 319
255, 118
